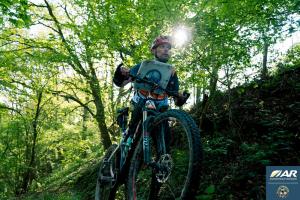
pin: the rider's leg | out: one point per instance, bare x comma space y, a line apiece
136, 115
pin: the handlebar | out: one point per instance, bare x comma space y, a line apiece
154, 85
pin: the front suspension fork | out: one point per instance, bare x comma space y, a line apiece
146, 139
159, 135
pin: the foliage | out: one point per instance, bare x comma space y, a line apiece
15, 12
293, 56
264, 132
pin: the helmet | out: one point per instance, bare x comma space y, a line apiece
161, 40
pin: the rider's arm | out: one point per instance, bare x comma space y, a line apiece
121, 75
173, 85
179, 101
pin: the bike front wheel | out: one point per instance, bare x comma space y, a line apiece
177, 156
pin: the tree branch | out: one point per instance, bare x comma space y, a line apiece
68, 96
9, 108
78, 68
39, 22
36, 5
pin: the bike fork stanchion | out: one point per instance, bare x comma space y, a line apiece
146, 138
161, 146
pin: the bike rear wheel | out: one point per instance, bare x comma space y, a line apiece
180, 160
107, 187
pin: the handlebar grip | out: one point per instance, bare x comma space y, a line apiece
186, 94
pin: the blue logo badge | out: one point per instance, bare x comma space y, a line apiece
282, 183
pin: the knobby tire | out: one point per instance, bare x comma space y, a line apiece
184, 130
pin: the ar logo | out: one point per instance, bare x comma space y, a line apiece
284, 173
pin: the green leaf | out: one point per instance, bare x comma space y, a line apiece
210, 189
204, 197
265, 162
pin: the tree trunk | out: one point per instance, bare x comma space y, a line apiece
204, 108
208, 100
29, 174
100, 117
212, 87
198, 94
213, 83
229, 92
85, 116
264, 73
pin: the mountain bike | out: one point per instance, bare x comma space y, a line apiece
161, 161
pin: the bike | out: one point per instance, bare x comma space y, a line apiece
161, 161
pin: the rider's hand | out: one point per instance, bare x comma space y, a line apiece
124, 71
121, 76
179, 101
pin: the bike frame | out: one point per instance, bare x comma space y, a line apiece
149, 112
150, 108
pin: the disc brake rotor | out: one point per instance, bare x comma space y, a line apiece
165, 164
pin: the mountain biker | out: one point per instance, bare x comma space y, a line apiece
160, 48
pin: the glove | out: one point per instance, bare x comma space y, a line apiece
119, 78
179, 101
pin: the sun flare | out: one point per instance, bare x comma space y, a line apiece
181, 36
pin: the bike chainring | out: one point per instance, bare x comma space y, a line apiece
165, 164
